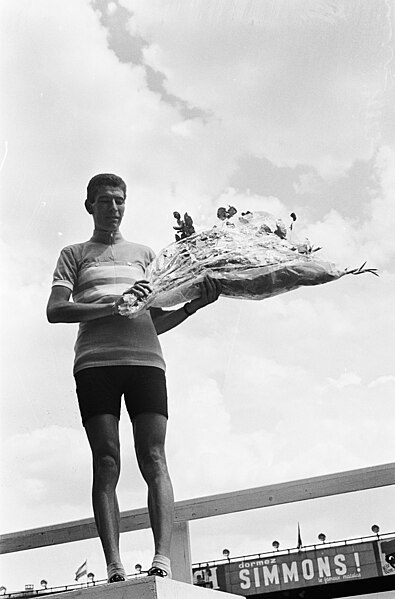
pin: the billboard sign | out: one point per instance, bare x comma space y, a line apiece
320, 566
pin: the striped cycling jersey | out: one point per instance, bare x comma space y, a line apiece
99, 271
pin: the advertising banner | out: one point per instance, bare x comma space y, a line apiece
323, 565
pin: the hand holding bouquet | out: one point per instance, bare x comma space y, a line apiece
252, 257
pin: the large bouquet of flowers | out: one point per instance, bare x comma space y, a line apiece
253, 256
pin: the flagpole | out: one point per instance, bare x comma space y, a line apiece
299, 539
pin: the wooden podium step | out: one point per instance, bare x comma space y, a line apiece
149, 587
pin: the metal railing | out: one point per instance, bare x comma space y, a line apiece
292, 550
59, 589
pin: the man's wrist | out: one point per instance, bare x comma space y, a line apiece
187, 311
114, 309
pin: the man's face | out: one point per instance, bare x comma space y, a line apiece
108, 208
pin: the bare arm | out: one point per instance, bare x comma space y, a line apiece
165, 320
60, 309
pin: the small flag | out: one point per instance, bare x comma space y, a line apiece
82, 571
299, 538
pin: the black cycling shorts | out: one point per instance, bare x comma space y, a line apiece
100, 389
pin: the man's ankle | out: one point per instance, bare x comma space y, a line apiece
163, 563
115, 568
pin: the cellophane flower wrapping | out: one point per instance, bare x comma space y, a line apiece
253, 256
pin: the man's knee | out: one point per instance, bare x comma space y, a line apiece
106, 464
152, 462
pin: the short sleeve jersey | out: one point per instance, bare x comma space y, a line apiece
99, 272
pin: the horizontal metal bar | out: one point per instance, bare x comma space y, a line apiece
213, 505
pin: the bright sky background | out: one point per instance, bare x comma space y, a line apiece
281, 106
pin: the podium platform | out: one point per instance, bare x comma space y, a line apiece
149, 587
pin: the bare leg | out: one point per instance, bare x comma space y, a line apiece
149, 437
103, 438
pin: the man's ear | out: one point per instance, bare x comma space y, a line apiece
88, 206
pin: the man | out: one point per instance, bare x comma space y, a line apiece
117, 356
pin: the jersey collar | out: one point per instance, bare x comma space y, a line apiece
106, 237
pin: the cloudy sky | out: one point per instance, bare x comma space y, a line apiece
279, 106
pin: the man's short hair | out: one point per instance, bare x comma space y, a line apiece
104, 180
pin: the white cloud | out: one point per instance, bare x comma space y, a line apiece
78, 117
368, 236
111, 8
212, 450
308, 183
41, 472
346, 379
245, 201
382, 380
281, 104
